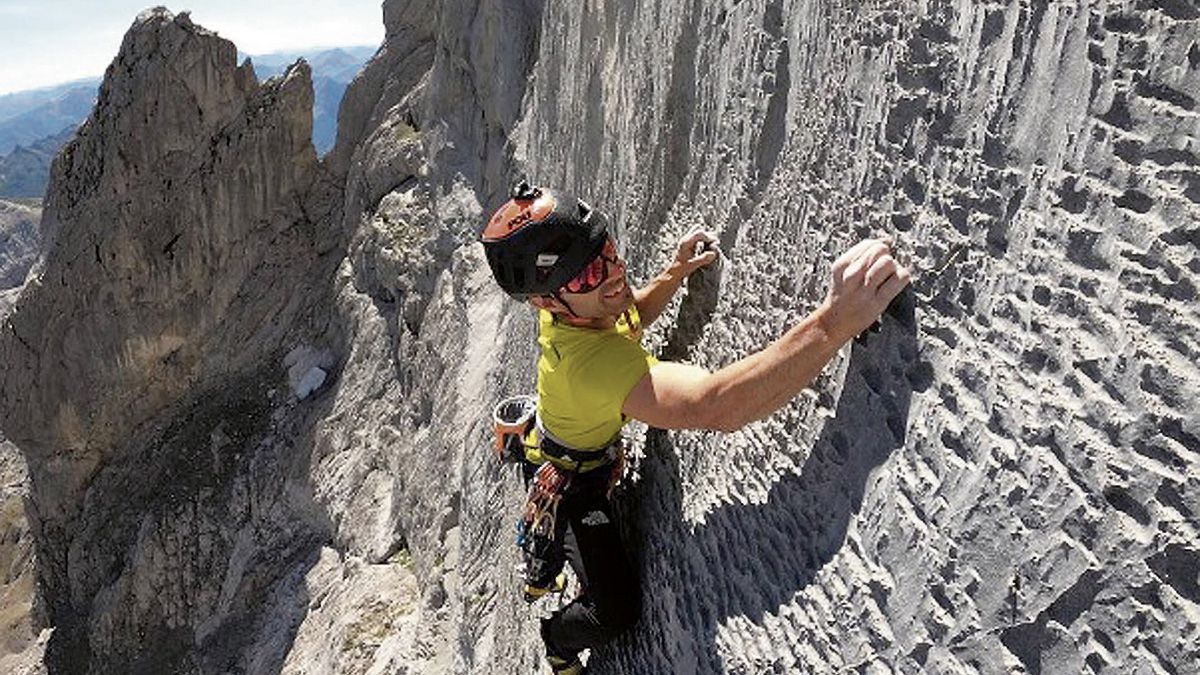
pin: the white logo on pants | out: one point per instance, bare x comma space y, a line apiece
595, 518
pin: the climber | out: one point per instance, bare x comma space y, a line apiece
556, 252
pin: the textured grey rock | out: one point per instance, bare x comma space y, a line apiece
18, 243
997, 481
186, 256
22, 640
1002, 479
22, 643
351, 629
332, 71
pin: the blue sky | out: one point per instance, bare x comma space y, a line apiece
46, 42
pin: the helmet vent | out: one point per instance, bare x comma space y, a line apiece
585, 211
524, 191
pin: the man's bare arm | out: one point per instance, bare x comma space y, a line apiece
652, 298
679, 396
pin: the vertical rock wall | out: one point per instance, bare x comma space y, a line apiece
1006, 475
999, 478
432, 114
21, 648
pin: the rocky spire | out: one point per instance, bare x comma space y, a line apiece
185, 161
182, 228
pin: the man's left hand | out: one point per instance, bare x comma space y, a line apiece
697, 249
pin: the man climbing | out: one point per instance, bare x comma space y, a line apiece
555, 251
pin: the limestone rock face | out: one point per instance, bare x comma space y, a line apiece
253, 389
999, 478
188, 251
18, 242
21, 647
1005, 477
156, 189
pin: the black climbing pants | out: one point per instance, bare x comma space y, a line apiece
588, 538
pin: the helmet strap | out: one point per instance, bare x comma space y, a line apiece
558, 296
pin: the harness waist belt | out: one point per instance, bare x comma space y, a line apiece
555, 448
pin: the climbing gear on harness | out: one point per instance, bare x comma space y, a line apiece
537, 529
576, 459
541, 508
585, 461
512, 419
541, 239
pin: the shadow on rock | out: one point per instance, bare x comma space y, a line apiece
695, 311
178, 518
750, 560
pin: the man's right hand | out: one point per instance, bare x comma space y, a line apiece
696, 250
864, 281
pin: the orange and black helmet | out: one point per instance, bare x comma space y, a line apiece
538, 240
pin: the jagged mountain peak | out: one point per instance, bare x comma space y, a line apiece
145, 203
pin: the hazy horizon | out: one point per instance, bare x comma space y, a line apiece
90, 36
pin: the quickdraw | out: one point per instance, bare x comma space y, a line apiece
537, 530
541, 507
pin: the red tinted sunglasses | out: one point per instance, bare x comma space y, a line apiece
596, 272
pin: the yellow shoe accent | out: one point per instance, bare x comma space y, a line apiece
534, 592
564, 667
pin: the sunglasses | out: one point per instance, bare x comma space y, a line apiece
596, 272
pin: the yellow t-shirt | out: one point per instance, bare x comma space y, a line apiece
584, 375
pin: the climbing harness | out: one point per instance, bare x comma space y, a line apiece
575, 459
538, 530
516, 416
514, 421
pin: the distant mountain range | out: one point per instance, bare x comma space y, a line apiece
25, 171
339, 64
28, 117
35, 124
